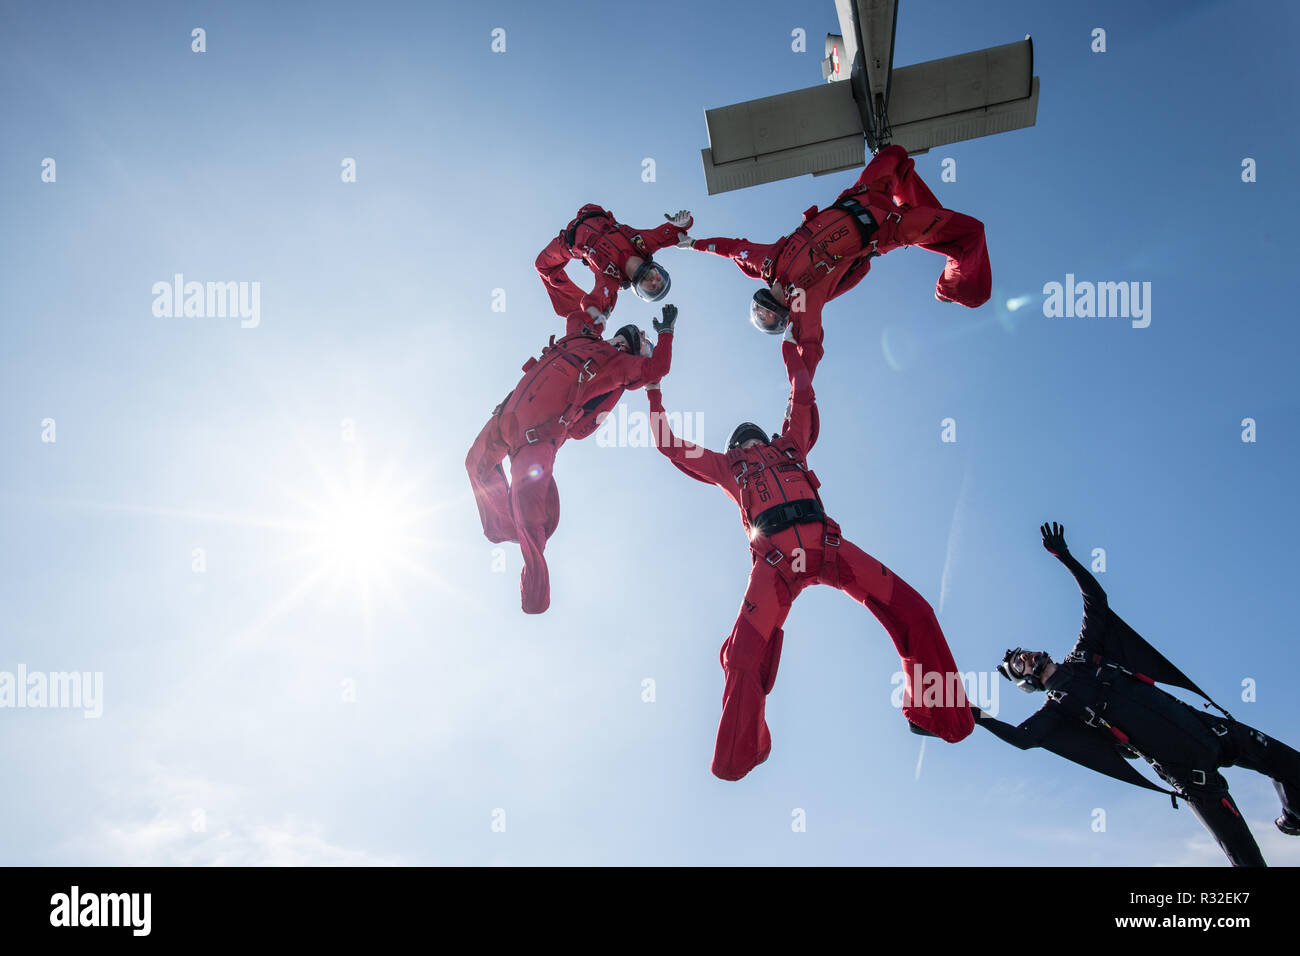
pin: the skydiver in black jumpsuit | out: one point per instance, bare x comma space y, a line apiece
1103, 706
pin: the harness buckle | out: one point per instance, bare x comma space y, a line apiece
831, 540
1220, 730
773, 554
532, 437
583, 371
894, 216
1093, 717
1198, 778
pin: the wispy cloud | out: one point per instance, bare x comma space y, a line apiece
954, 538
191, 821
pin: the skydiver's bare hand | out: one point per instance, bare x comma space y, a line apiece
1054, 539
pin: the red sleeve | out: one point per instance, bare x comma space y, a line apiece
697, 461
602, 296
664, 236
802, 406
808, 334
749, 256
637, 370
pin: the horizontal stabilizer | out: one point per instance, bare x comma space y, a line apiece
815, 130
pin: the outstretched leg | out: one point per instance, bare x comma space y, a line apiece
488, 479
535, 501
1257, 751
749, 657
566, 297
967, 278
939, 705
1216, 809
891, 171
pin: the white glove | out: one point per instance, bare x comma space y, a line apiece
681, 219
684, 241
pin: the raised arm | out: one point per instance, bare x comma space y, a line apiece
1028, 734
671, 233
1096, 610
697, 461
807, 333
748, 256
801, 410
638, 370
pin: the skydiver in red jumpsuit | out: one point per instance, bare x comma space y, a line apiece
795, 545
619, 255
562, 395
829, 253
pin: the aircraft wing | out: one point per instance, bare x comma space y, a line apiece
817, 130
963, 97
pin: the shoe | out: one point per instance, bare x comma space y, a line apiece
1288, 824
943, 298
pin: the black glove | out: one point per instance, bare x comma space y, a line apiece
1054, 539
670, 318
919, 731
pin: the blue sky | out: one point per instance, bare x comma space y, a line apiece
225, 736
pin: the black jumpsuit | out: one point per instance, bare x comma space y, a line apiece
1186, 746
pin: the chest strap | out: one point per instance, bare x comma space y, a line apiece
786, 515
862, 218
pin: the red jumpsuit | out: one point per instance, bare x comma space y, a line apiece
826, 255
787, 561
560, 396
599, 240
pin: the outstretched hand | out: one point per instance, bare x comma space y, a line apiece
681, 219
1054, 539
670, 319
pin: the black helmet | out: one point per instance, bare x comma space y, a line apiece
643, 277
767, 314
1028, 682
632, 335
744, 432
